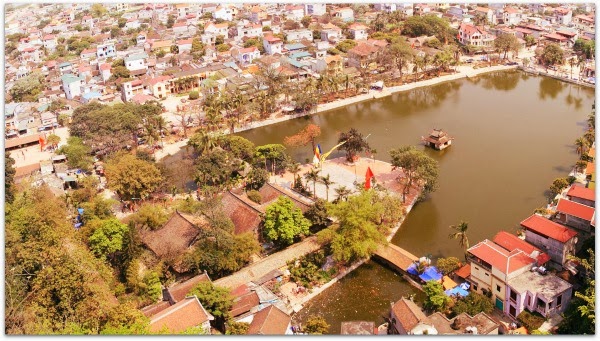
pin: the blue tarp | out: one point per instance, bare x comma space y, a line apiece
431, 273
80, 210
465, 286
457, 291
412, 269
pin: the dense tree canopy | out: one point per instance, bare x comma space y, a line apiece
284, 222
216, 300
436, 299
552, 54
78, 154
419, 169
428, 25
27, 88
131, 177
473, 304
506, 43
9, 177
355, 143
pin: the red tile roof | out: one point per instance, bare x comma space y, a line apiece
180, 316
155, 308
269, 321
555, 36
244, 303
180, 290
548, 228
575, 209
581, 192
409, 315
511, 242
463, 272
245, 218
493, 254
105, 66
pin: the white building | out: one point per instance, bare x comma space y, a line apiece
224, 12
315, 9
136, 62
106, 50
272, 45
298, 35
72, 85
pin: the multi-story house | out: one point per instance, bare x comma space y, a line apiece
294, 12
408, 319
363, 55
130, 89
250, 31
543, 293
272, 44
575, 215
391, 7
583, 195
563, 15
299, 35
184, 45
182, 10
106, 50
469, 34
31, 54
558, 241
247, 55
584, 22
216, 29
158, 86
315, 9
331, 33
226, 13
487, 13
105, 71
358, 31
72, 85
88, 21
346, 14
136, 62
49, 41
492, 266
511, 16
65, 67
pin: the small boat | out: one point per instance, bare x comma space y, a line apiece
437, 139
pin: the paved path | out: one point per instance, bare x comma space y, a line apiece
277, 260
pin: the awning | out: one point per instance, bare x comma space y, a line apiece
457, 291
448, 283
431, 274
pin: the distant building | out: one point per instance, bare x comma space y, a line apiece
72, 85
316, 9
575, 215
106, 50
545, 294
136, 62
181, 316
270, 321
469, 34
408, 319
557, 240
272, 45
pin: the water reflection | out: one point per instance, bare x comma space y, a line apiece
503, 81
550, 87
427, 97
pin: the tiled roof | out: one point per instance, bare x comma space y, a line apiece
180, 316
506, 262
581, 192
269, 321
178, 291
244, 303
175, 236
105, 66
245, 218
464, 271
155, 308
408, 314
511, 242
363, 49
555, 36
575, 209
545, 227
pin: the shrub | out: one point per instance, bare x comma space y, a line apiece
194, 95
530, 321
255, 196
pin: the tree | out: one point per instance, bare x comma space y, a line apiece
312, 176
552, 54
418, 169
9, 177
317, 214
78, 154
284, 222
194, 95
428, 25
125, 319
27, 89
108, 238
448, 265
326, 181
131, 177
275, 153
240, 147
342, 193
257, 178
401, 54
355, 143
582, 146
473, 304
346, 45
584, 48
316, 325
306, 20
170, 21
149, 216
121, 22
461, 235
53, 140
203, 142
435, 297
237, 328
305, 136
217, 169
216, 300
558, 185
529, 40
98, 10
506, 43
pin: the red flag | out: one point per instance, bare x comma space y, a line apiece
368, 177
42, 142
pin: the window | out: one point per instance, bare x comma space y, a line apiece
487, 274
497, 288
513, 296
559, 301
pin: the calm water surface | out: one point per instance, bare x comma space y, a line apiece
513, 134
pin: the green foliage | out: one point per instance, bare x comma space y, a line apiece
197, 45
194, 95
345, 45
529, 40
78, 154
218, 169
170, 21
584, 47
9, 178
448, 265
27, 89
418, 167
257, 178
98, 10
428, 25
284, 222
197, 330
436, 299
307, 270
216, 300
360, 229
558, 185
573, 323
131, 177
473, 304
223, 48
255, 196
240, 147
256, 42
121, 22
273, 156
506, 43
317, 214
237, 328
355, 143
151, 287
125, 319
531, 321
433, 43
149, 216
552, 54
316, 325
108, 238
119, 72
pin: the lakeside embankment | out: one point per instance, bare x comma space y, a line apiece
463, 72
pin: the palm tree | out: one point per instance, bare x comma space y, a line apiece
294, 168
325, 180
342, 192
572, 63
312, 175
582, 145
461, 235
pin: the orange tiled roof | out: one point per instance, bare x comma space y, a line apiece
543, 226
